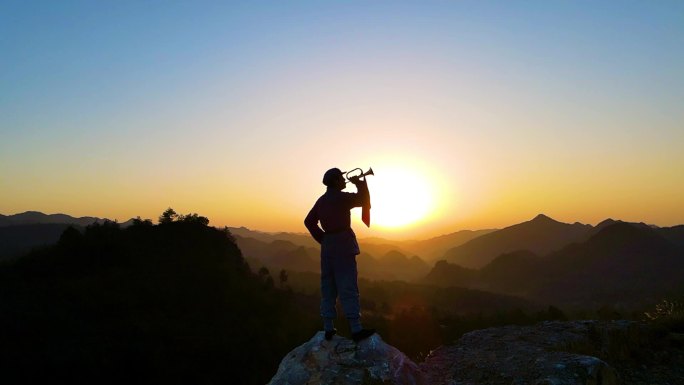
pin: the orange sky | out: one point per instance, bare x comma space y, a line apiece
497, 111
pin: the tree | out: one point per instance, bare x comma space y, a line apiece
142, 222
265, 276
168, 216
70, 238
283, 277
194, 218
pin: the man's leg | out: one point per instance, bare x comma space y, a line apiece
347, 286
328, 292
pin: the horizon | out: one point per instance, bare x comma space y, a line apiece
473, 115
361, 237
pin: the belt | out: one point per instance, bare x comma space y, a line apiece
338, 231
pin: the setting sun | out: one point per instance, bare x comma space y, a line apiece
400, 197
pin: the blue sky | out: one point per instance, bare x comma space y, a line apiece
97, 97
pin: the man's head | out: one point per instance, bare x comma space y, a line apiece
333, 178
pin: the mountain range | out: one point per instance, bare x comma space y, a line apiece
36, 217
380, 258
283, 254
541, 259
540, 235
20, 233
615, 263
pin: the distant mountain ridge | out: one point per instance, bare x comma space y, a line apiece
508, 260
620, 263
429, 250
22, 232
282, 254
540, 235
379, 259
37, 217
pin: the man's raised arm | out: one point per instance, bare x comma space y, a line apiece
362, 196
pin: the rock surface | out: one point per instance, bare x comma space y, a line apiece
557, 353
548, 353
342, 361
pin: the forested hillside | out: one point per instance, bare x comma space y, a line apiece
173, 303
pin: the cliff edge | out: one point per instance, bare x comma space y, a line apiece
342, 361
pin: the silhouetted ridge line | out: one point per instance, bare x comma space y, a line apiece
540, 235
623, 236
37, 217
627, 263
543, 218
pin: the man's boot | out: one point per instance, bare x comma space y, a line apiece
362, 334
329, 334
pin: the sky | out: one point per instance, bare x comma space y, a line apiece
473, 114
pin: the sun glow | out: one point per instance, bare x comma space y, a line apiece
399, 197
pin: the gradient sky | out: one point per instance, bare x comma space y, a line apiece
235, 109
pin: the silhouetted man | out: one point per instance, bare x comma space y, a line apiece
338, 251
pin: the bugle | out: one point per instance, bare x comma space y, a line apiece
360, 175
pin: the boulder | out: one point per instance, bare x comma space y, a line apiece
548, 353
553, 353
344, 362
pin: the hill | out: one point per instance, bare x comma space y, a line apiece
20, 233
393, 265
36, 217
446, 274
300, 239
431, 249
276, 250
279, 255
674, 234
622, 264
169, 303
428, 250
17, 240
540, 235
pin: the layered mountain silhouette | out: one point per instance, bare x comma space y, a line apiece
450, 274
431, 249
541, 259
674, 234
541, 235
393, 265
301, 239
20, 233
621, 263
278, 254
379, 259
281, 254
17, 240
36, 217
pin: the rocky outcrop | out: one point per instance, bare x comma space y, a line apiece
342, 361
548, 353
558, 353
